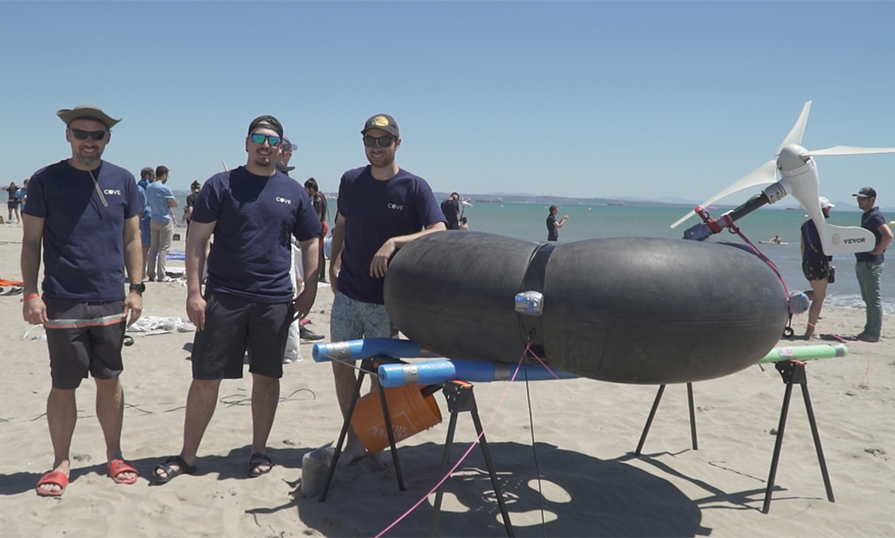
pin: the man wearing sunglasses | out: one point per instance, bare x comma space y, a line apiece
254, 211
84, 213
381, 208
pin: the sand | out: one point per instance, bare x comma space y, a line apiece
583, 432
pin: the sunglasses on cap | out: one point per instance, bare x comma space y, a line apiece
81, 134
258, 138
384, 141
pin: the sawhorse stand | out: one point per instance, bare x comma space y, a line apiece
793, 373
652, 414
460, 398
367, 366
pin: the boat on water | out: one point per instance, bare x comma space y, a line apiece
616, 203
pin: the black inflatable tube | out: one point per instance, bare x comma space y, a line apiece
626, 310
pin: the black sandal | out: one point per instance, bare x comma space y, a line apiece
170, 472
256, 461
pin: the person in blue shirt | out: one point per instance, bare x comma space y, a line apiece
253, 211
83, 213
147, 176
451, 208
381, 208
869, 265
161, 224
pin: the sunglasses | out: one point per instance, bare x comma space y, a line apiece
384, 141
81, 134
258, 138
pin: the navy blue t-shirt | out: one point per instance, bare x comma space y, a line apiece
255, 218
872, 220
552, 232
374, 212
83, 239
450, 208
814, 250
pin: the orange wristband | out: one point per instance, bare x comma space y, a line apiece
32, 296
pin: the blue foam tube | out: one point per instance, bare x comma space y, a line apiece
439, 371
356, 350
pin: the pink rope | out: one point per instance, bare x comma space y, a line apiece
471, 446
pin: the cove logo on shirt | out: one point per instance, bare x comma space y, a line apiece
283, 200
396, 206
116, 192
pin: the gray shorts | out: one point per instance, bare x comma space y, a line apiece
353, 320
84, 337
234, 325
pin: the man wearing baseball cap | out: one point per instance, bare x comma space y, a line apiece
84, 213
869, 265
381, 208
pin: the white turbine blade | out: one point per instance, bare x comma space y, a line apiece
795, 136
762, 175
839, 240
849, 150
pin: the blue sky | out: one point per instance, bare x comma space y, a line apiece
582, 99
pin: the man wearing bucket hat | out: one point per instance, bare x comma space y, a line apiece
380, 209
254, 212
815, 266
84, 214
869, 265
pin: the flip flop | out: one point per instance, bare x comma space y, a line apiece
256, 461
55, 478
116, 467
182, 468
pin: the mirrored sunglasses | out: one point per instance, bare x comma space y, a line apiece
258, 138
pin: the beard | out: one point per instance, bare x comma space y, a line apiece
89, 160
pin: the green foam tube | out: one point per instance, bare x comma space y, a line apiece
805, 353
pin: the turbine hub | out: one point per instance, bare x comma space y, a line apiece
792, 157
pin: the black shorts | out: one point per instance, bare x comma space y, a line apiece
234, 325
816, 269
84, 337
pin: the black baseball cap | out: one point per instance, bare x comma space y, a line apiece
866, 192
383, 122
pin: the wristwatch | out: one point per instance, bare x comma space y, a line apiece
139, 288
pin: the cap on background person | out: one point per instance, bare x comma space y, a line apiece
195, 185
383, 122
86, 112
288, 145
147, 171
824, 203
866, 192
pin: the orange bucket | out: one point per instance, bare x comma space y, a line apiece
409, 411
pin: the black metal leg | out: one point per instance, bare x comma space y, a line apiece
820, 451
777, 446
391, 436
490, 464
692, 416
445, 463
649, 420
345, 425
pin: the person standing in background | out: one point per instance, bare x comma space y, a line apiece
319, 202
553, 225
12, 202
815, 266
195, 187
147, 175
869, 265
161, 224
451, 208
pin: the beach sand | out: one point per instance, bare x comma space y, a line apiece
584, 434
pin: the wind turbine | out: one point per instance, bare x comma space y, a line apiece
798, 173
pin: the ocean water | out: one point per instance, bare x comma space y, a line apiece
527, 221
